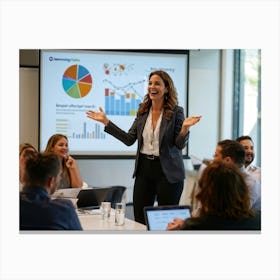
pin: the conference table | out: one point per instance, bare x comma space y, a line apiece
91, 220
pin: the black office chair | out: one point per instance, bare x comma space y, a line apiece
115, 195
92, 197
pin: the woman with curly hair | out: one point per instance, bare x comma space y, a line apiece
225, 202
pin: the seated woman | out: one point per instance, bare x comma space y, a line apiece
225, 202
70, 173
26, 151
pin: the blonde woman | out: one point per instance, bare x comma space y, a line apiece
70, 173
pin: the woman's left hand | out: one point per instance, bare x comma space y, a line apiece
188, 122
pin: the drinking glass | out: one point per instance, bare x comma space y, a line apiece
120, 214
105, 210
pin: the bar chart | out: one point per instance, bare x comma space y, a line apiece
123, 105
81, 131
123, 100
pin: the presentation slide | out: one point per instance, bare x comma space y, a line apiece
74, 81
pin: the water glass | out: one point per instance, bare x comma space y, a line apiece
105, 210
120, 214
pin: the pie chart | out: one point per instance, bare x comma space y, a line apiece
77, 81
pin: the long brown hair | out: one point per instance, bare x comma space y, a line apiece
52, 142
170, 98
224, 191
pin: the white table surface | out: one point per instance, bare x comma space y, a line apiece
92, 220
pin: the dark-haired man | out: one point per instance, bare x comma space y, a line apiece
248, 144
37, 210
233, 152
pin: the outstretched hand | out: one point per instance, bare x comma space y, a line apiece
188, 122
98, 116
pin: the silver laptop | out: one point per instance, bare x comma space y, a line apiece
157, 217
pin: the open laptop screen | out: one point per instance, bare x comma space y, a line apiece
157, 217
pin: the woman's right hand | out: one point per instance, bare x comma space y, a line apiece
175, 225
98, 116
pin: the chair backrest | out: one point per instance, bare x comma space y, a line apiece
92, 197
115, 195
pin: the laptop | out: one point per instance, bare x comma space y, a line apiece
91, 198
157, 217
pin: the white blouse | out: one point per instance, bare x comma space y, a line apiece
151, 136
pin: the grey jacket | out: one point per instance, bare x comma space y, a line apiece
171, 142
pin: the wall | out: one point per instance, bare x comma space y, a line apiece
29, 106
204, 99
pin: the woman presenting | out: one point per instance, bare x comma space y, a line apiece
162, 132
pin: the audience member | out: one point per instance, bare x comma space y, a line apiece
248, 144
37, 210
233, 152
70, 175
225, 201
26, 151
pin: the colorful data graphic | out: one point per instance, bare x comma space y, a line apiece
63, 126
122, 101
77, 81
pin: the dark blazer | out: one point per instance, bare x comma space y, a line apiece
171, 142
39, 212
221, 223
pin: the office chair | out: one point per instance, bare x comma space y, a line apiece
92, 197
115, 195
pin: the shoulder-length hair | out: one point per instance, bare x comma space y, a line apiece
170, 98
224, 192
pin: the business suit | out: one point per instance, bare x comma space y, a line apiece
171, 164
39, 212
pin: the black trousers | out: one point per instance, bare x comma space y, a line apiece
151, 184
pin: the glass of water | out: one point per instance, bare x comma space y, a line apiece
105, 210
120, 214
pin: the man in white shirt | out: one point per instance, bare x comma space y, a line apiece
232, 151
248, 144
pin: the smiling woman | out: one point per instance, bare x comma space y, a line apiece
162, 132
70, 173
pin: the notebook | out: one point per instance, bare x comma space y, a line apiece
91, 198
66, 193
157, 217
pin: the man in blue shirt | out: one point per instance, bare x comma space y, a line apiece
37, 210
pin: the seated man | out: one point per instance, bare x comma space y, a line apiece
233, 152
37, 210
248, 144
